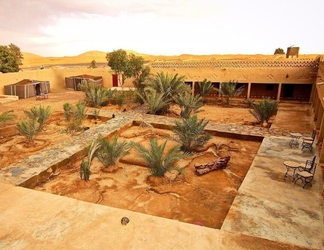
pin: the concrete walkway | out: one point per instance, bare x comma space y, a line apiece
268, 212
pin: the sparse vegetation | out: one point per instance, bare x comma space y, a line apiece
28, 128
191, 133
7, 116
205, 87
163, 88
120, 98
111, 150
229, 90
85, 165
74, 116
39, 114
96, 95
263, 110
158, 161
154, 101
188, 104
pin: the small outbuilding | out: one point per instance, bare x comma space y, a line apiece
73, 82
28, 88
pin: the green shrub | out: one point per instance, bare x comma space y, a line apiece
74, 116
205, 87
85, 165
7, 116
96, 95
191, 133
263, 110
158, 161
154, 100
40, 114
230, 90
188, 104
110, 151
28, 128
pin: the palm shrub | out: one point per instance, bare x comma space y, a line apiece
158, 161
96, 95
40, 114
170, 85
263, 110
154, 100
229, 90
7, 116
110, 151
74, 116
28, 128
205, 87
120, 98
166, 86
191, 133
188, 104
85, 165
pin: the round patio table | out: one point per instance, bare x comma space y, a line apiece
291, 166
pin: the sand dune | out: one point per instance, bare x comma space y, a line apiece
32, 60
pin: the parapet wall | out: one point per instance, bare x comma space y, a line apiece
254, 71
56, 76
297, 63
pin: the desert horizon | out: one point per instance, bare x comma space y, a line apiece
31, 59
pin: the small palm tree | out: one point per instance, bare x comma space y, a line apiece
74, 116
170, 85
158, 161
95, 95
229, 90
263, 110
154, 100
166, 87
85, 165
205, 87
188, 104
40, 114
28, 128
191, 133
7, 116
110, 151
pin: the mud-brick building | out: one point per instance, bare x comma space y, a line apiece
280, 78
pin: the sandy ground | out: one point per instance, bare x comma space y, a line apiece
189, 198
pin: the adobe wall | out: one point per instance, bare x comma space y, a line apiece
289, 71
56, 76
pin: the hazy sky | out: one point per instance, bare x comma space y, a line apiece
162, 27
